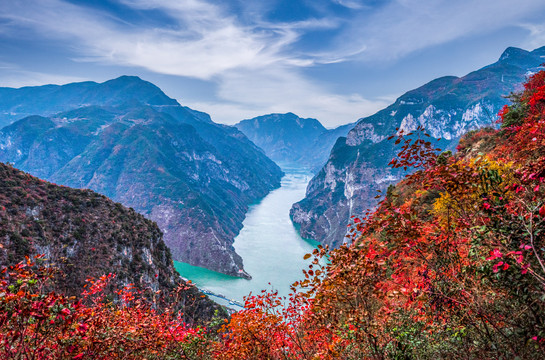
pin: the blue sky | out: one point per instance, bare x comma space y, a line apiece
334, 60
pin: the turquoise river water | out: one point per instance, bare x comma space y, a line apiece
270, 246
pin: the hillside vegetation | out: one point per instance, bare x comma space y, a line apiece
126, 139
450, 266
84, 235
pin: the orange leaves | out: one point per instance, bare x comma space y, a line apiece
504, 111
452, 264
449, 265
422, 257
253, 334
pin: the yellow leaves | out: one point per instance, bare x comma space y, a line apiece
468, 184
442, 208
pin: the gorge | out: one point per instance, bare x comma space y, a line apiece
126, 139
270, 245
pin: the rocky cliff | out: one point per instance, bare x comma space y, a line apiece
127, 140
358, 164
86, 235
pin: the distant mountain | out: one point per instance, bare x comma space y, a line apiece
447, 107
135, 145
86, 235
290, 139
51, 99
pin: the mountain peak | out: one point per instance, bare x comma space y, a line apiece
133, 87
288, 138
127, 78
511, 52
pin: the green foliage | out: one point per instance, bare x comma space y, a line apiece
517, 112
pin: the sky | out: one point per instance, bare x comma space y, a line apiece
333, 60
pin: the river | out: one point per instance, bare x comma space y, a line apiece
270, 246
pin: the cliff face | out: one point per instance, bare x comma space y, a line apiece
172, 164
85, 235
358, 164
290, 139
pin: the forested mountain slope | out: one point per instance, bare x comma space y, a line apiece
446, 107
86, 235
287, 138
127, 140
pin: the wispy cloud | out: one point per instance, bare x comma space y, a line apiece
278, 90
404, 26
251, 64
204, 44
351, 4
537, 35
256, 64
16, 77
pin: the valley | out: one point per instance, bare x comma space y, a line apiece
268, 242
416, 232
126, 139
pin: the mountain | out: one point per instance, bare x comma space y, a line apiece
449, 265
51, 99
84, 235
358, 164
127, 140
288, 138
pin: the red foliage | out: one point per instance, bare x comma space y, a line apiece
451, 265
37, 324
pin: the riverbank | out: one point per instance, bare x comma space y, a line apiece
269, 244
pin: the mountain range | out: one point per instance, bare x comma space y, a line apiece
446, 108
126, 139
287, 138
129, 141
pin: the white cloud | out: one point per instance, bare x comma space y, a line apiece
251, 66
205, 43
256, 66
278, 90
351, 4
17, 78
405, 26
537, 35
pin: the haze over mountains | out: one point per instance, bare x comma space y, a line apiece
129, 141
446, 107
287, 138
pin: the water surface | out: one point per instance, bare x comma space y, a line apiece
271, 248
